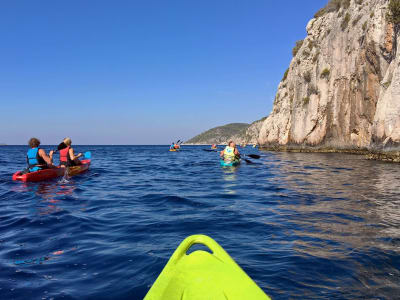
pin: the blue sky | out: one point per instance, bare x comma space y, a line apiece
141, 72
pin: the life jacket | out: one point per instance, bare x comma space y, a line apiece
229, 153
34, 161
65, 159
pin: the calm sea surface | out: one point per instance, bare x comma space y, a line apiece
321, 226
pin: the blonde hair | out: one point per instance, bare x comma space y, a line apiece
67, 141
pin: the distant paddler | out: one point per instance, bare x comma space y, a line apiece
174, 146
213, 146
230, 153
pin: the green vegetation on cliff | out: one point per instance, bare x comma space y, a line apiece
220, 134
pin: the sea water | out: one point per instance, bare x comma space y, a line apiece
302, 225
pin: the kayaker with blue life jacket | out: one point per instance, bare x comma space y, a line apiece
37, 158
230, 153
67, 155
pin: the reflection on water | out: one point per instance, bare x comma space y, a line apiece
345, 210
48, 195
229, 176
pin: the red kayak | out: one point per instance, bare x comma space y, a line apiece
47, 174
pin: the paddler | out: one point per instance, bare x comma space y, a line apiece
230, 153
67, 155
37, 158
213, 146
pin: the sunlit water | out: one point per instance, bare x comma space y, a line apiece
322, 226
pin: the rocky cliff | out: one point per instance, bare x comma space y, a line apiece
342, 88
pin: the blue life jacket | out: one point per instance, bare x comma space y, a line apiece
35, 162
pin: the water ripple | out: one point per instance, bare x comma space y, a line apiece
322, 226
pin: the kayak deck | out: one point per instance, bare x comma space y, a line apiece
203, 275
230, 164
47, 174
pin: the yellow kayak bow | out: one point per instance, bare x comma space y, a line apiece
202, 275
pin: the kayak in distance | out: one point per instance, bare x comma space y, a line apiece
203, 275
47, 174
233, 163
174, 150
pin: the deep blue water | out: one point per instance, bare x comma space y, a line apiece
306, 226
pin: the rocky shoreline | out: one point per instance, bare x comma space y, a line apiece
387, 156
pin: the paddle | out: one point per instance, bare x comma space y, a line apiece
87, 155
248, 161
255, 156
210, 150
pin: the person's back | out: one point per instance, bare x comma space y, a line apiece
35, 162
36, 157
65, 159
67, 155
230, 153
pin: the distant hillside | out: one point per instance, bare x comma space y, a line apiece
220, 134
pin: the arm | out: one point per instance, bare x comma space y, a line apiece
221, 153
47, 159
72, 155
237, 152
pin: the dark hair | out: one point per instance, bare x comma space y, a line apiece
61, 146
34, 142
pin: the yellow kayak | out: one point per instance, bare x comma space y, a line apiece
173, 150
203, 275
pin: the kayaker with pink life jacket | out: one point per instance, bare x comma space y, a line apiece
67, 155
230, 153
37, 158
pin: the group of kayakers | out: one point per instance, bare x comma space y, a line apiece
37, 158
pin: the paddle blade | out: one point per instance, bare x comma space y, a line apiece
255, 156
87, 155
209, 150
247, 161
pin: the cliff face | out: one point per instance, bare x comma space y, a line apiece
342, 88
250, 135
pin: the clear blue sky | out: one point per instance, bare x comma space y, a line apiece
141, 72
